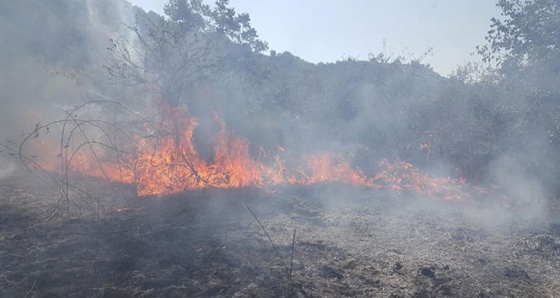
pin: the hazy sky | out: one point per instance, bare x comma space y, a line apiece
330, 30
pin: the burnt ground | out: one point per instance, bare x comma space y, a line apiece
355, 243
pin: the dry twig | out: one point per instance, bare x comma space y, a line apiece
292, 256
270, 239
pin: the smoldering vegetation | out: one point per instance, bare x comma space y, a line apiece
96, 76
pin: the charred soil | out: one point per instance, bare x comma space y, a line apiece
355, 243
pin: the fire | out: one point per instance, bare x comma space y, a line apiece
324, 167
404, 176
167, 162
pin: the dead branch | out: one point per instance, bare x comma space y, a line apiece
292, 256
269, 239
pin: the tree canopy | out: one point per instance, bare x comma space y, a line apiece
528, 32
221, 19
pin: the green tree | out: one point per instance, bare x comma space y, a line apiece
221, 20
525, 45
528, 32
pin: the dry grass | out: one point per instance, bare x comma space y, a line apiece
207, 243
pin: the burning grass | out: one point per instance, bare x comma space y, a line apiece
160, 157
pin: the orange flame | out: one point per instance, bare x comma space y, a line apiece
169, 163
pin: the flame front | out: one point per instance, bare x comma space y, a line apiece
166, 162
